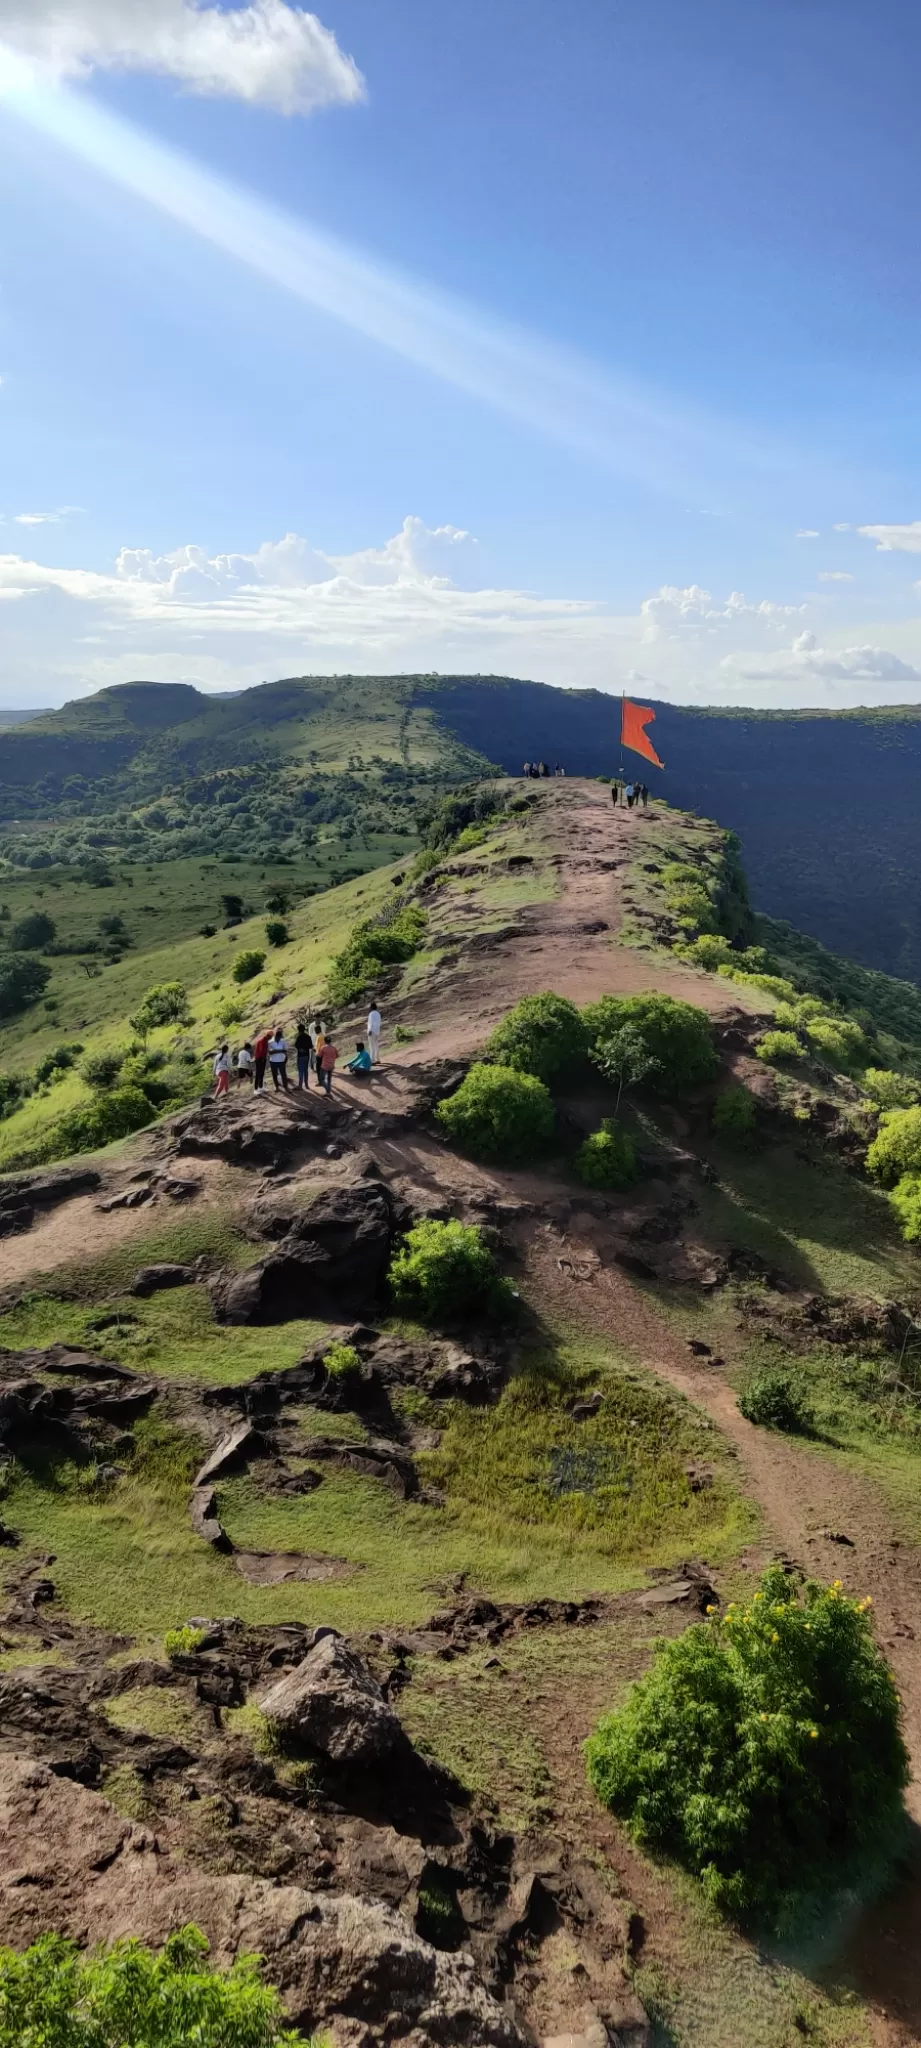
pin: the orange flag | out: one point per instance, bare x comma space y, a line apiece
633, 719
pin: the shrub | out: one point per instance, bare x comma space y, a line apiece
22, 980
763, 1750
55, 1063
183, 1642
279, 903
444, 1270
31, 932
676, 1036
693, 908
896, 1149
606, 1158
541, 1035
342, 1361
837, 1040
247, 965
402, 1035
276, 931
232, 906
126, 1997
775, 1399
498, 1114
108, 1116
230, 1011
906, 1201
889, 1090
734, 1115
771, 984
372, 946
102, 1069
779, 1045
708, 951
165, 1003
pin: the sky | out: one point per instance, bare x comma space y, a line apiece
575, 344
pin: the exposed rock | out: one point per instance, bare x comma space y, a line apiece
72, 1863
332, 1703
23, 1195
203, 1511
581, 1411
219, 1130
376, 1459
232, 1452
151, 1279
333, 1258
284, 1567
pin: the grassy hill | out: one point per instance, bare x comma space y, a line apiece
824, 803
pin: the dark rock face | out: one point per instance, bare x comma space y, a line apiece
332, 1260
151, 1279
25, 1195
332, 1703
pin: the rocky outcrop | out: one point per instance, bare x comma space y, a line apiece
153, 1279
233, 1451
72, 1863
332, 1703
331, 1261
24, 1196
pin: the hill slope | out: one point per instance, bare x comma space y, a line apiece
825, 804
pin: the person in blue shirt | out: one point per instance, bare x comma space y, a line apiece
361, 1064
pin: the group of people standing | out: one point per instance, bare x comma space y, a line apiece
314, 1051
536, 769
630, 793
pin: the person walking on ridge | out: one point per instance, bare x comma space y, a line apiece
374, 1032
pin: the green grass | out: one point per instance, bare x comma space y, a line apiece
170, 1336
822, 1226
157, 1710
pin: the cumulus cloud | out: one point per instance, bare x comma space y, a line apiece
674, 609
806, 659
834, 576
269, 52
902, 540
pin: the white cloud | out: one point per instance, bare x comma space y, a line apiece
903, 540
44, 518
807, 660
807, 533
674, 608
834, 576
269, 52
841, 526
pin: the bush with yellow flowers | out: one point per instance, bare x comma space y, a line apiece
763, 1750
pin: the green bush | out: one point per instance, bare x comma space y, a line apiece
102, 1069
443, 1270
734, 1115
31, 932
771, 984
23, 979
896, 1149
55, 1996
342, 1361
606, 1159
230, 1011
165, 1003
889, 1090
55, 1063
837, 1040
276, 931
775, 1399
394, 938
247, 965
183, 1642
763, 1751
498, 1114
541, 1035
709, 951
676, 1037
692, 908
108, 1116
779, 1045
905, 1199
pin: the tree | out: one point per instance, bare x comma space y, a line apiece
625, 1059
165, 1003
499, 1114
248, 965
541, 1035
232, 905
126, 1997
276, 931
33, 931
279, 901
676, 1036
22, 981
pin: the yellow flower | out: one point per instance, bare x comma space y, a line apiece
710, 1610
774, 1636
814, 1733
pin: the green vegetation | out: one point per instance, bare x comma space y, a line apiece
905, 1200
32, 932
183, 1642
393, 936
897, 1148
277, 933
606, 1159
127, 1997
499, 1114
247, 965
443, 1270
22, 980
775, 1398
542, 1035
775, 1047
763, 1751
734, 1115
342, 1361
887, 1090
672, 1039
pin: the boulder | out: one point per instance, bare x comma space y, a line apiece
232, 1452
332, 1703
151, 1279
331, 1261
203, 1512
73, 1864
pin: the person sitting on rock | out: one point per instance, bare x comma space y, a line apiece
361, 1064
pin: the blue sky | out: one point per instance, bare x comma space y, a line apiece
578, 344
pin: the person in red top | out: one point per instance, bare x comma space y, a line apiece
326, 1060
260, 1055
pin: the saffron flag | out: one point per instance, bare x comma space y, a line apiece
634, 717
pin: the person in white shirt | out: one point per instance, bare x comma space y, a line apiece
245, 1062
374, 1032
278, 1058
221, 1071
